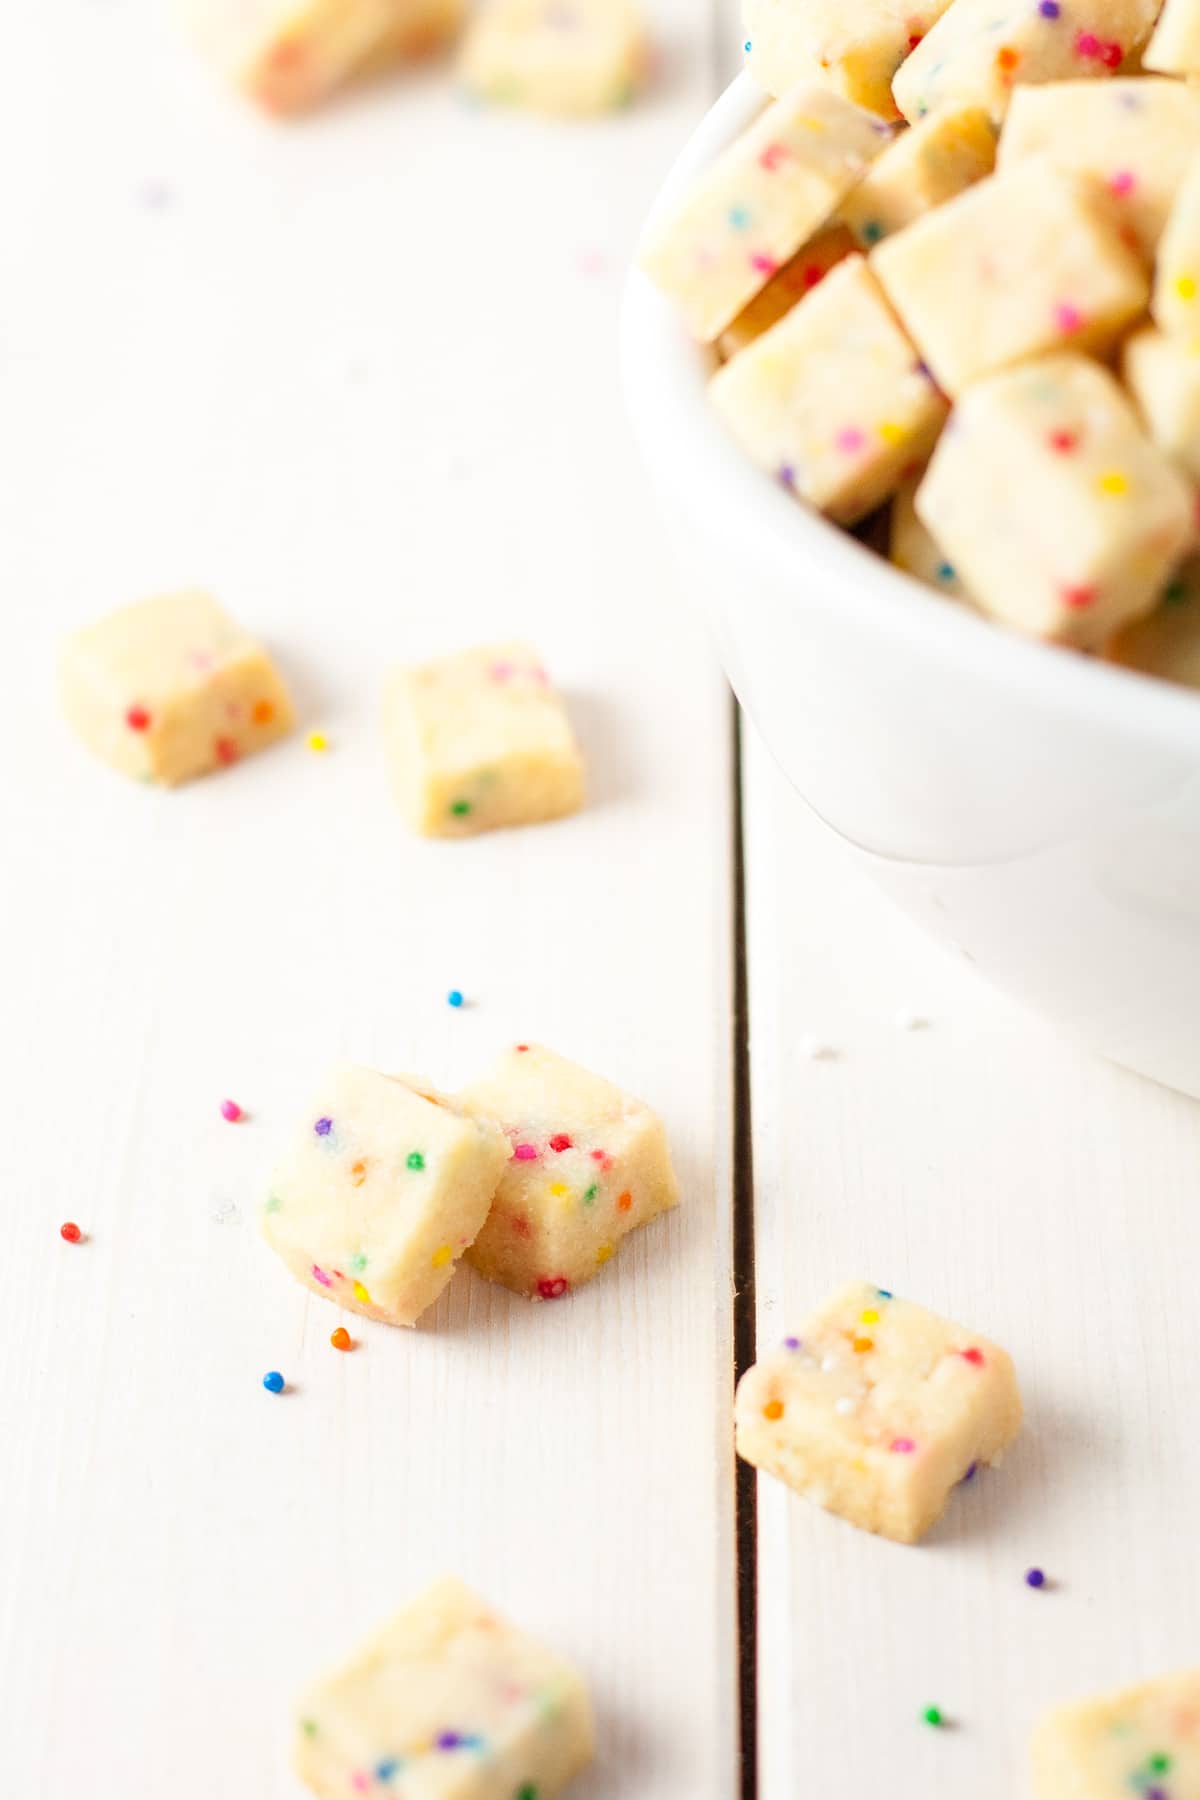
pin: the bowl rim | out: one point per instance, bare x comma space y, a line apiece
665, 375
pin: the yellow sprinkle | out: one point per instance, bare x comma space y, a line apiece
361, 1294
1185, 287
317, 740
558, 1189
890, 433
1113, 482
814, 125
442, 1256
870, 1318
603, 1253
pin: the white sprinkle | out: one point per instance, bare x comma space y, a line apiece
911, 1021
846, 1405
829, 1364
816, 1051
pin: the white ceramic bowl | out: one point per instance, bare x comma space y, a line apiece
1037, 808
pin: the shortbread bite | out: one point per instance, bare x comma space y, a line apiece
1027, 261
922, 168
1062, 517
834, 400
556, 56
384, 1186
447, 1702
289, 55
1175, 47
419, 28
911, 547
1166, 642
1144, 1740
589, 1165
480, 740
1163, 375
807, 269
851, 46
759, 202
1135, 138
171, 688
981, 51
877, 1409
1176, 301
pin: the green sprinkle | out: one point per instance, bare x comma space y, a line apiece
1175, 593
416, 1160
872, 231
460, 808
309, 1727
1159, 1764
933, 1716
358, 1262
273, 1203
528, 1792
589, 1194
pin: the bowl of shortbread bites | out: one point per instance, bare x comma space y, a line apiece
912, 349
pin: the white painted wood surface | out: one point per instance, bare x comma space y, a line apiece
1000, 1175
359, 377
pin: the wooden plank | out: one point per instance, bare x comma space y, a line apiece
357, 376
1005, 1177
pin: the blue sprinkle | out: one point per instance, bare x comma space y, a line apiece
387, 1768
739, 217
274, 1382
884, 1294
872, 231
747, 46
945, 571
454, 998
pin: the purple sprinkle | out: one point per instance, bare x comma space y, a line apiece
1155, 1793
1035, 1578
1049, 9
323, 1127
970, 1474
791, 1343
448, 1740
787, 475
923, 368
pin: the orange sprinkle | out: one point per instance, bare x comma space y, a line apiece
358, 1172
264, 712
341, 1339
773, 1409
1007, 57
624, 1202
860, 1346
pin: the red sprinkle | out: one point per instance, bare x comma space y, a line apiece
138, 719
560, 1142
521, 1226
914, 39
521, 1049
1064, 441
553, 1287
71, 1232
1079, 598
974, 1357
226, 750
1112, 55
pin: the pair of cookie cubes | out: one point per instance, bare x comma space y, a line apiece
534, 1174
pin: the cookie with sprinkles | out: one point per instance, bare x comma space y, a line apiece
1143, 1741
589, 1164
877, 1409
383, 1187
564, 57
448, 1701
855, 49
289, 55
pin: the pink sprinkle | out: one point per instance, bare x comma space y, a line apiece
766, 265
772, 156
902, 1446
361, 1781
592, 262
321, 1276
539, 675
231, 1110
1123, 182
849, 439
1087, 44
1068, 318
501, 671
525, 1153
1079, 598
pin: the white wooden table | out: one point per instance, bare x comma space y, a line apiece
359, 378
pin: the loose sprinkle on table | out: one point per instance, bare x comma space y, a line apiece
318, 741
1035, 1578
274, 1382
341, 1339
71, 1232
454, 998
933, 1715
231, 1110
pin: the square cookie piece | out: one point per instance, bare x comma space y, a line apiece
1163, 375
833, 400
1175, 47
589, 1164
877, 1409
912, 548
853, 48
1062, 517
1166, 642
385, 1185
1144, 1741
807, 269
556, 56
171, 688
1135, 138
923, 168
480, 740
289, 55
1027, 261
1176, 300
447, 1702
981, 51
761, 200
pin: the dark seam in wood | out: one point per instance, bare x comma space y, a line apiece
744, 1305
